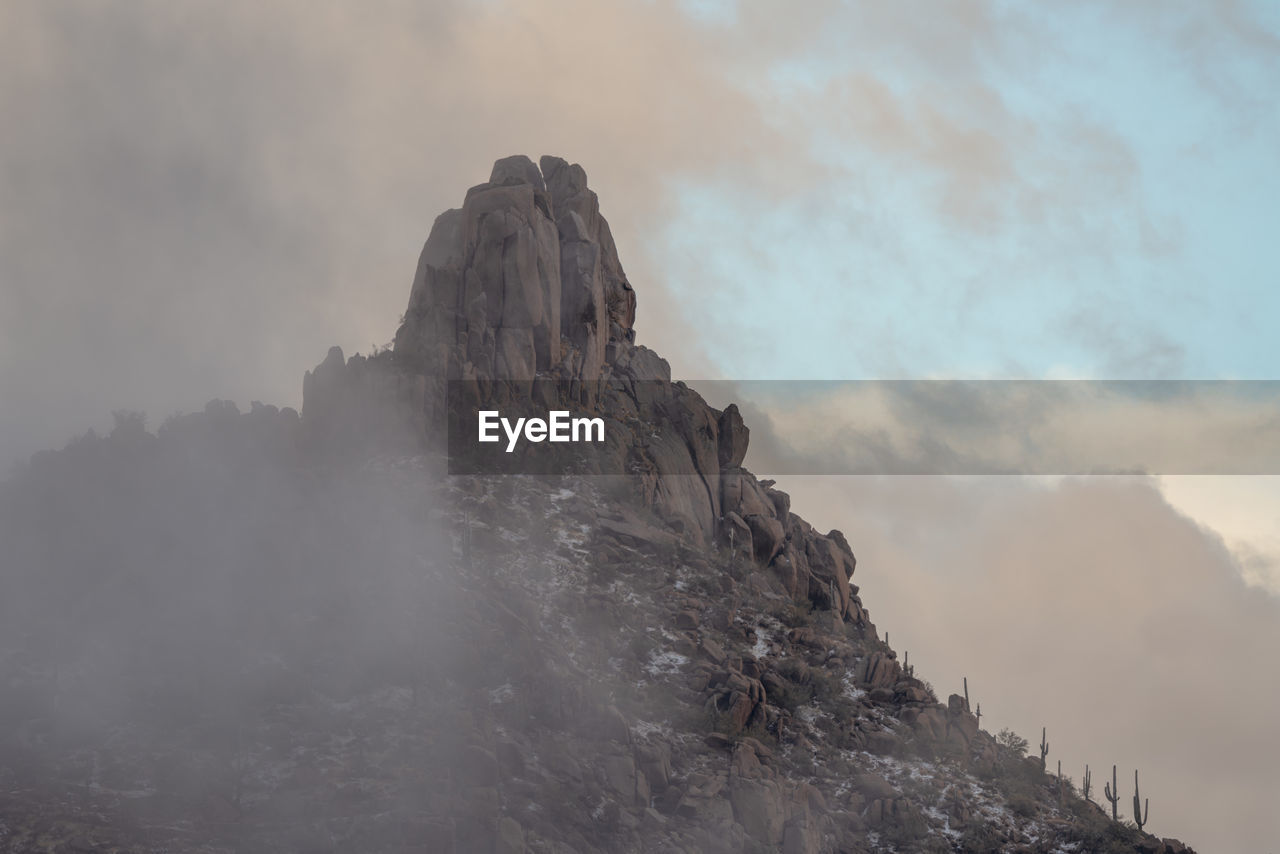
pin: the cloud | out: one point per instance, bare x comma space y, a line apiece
1228, 45
1090, 607
1014, 427
238, 187
1087, 605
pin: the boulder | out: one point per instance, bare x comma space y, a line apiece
829, 569
620, 775
734, 437
742, 493
655, 764
801, 836
517, 169
767, 536
758, 807
792, 569
736, 534
877, 670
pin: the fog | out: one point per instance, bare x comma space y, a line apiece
168, 596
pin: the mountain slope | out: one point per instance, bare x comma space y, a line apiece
273, 631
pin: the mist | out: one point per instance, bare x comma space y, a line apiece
196, 201
172, 601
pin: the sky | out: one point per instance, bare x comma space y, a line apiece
198, 199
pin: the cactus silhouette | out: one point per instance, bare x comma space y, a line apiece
1112, 793
1140, 815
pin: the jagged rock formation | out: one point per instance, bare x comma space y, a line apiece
524, 281
523, 278
397, 661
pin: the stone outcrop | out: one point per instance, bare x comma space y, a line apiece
524, 283
523, 279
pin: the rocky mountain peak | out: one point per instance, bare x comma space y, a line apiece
523, 279
355, 653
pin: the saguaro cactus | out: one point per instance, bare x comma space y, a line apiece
1140, 815
1112, 792
1086, 783
1044, 747
966, 693
978, 714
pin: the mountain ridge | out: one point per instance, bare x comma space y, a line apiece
667, 660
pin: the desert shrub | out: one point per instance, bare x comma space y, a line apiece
1009, 739
1023, 805
793, 615
846, 738
716, 721
825, 684
981, 839
793, 669
1107, 837
908, 827
843, 709
791, 695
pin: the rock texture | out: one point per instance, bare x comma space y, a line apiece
523, 279
523, 282
671, 661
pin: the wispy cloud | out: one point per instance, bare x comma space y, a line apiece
237, 187
1090, 607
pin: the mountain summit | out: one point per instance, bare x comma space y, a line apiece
523, 278
273, 631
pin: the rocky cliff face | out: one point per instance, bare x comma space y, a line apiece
524, 281
354, 652
523, 278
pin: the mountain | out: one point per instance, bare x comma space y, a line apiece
355, 629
